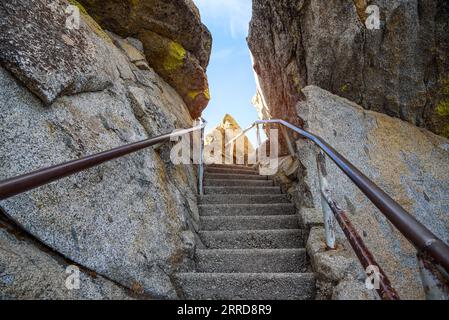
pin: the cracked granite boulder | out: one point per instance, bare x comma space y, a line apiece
127, 220
401, 69
177, 45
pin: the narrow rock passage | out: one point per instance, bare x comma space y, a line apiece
254, 246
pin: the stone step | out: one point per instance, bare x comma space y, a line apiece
243, 199
242, 190
247, 239
237, 183
250, 286
231, 171
231, 166
251, 260
268, 209
227, 176
215, 223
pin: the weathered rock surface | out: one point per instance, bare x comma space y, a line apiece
217, 138
28, 271
179, 68
401, 69
130, 220
176, 43
409, 163
49, 58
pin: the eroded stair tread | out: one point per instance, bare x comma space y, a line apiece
231, 171
249, 222
243, 199
251, 286
246, 209
251, 260
229, 176
291, 238
237, 183
253, 190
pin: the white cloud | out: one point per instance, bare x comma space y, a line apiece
235, 14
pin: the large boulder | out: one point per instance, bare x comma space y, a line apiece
409, 163
218, 137
49, 58
179, 68
131, 220
401, 69
177, 44
28, 270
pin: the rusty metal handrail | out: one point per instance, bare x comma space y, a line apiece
421, 237
332, 212
26, 182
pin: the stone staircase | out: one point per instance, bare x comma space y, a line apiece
254, 248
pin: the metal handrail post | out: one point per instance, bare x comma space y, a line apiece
201, 161
328, 216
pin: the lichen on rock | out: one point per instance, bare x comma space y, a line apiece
177, 45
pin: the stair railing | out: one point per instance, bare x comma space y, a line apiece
432, 252
32, 180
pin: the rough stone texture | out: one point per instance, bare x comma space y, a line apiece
251, 260
130, 220
353, 290
71, 61
409, 163
219, 136
339, 274
176, 43
28, 271
247, 239
401, 69
267, 222
247, 286
246, 209
179, 68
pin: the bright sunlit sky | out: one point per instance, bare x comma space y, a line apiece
230, 72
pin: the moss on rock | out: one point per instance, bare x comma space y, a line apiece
176, 55
442, 108
90, 22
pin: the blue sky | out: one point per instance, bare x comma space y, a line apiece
230, 72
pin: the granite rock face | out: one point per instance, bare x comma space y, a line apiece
176, 43
130, 220
409, 163
28, 271
49, 58
400, 69
220, 135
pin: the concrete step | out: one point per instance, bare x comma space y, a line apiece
268, 209
215, 223
251, 260
237, 183
242, 190
228, 176
251, 286
243, 199
231, 171
247, 239
231, 166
